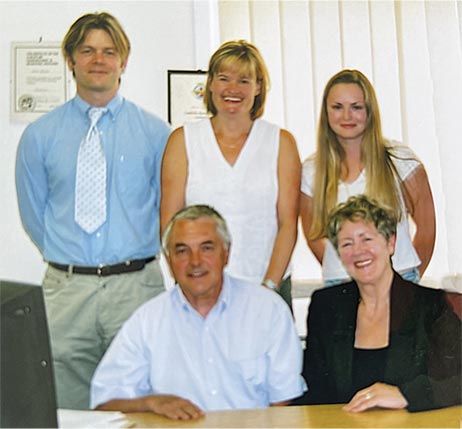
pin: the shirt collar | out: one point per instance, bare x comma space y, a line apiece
113, 106
222, 302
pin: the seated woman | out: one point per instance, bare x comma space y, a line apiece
379, 340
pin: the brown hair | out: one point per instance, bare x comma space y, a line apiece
91, 21
357, 208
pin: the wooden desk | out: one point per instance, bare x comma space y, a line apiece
313, 416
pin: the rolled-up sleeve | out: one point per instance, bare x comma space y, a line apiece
123, 373
285, 360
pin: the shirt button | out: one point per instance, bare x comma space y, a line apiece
210, 360
98, 234
214, 392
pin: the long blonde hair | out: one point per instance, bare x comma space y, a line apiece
376, 156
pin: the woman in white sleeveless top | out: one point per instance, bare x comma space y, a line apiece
246, 168
352, 158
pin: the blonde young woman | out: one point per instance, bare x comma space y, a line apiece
246, 168
352, 158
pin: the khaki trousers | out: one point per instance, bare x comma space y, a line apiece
84, 313
285, 290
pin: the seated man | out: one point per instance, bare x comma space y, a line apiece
211, 343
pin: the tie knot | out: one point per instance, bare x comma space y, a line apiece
95, 113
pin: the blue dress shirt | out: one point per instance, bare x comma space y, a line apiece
133, 141
245, 354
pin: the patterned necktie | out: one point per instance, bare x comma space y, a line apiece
90, 181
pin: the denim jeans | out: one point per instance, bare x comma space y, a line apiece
412, 275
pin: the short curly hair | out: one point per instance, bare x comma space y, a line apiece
361, 207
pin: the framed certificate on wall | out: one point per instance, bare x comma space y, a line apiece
40, 80
186, 91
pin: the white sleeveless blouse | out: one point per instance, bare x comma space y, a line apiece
245, 193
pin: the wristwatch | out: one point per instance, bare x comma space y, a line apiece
270, 284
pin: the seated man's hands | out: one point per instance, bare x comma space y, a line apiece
378, 395
170, 406
173, 407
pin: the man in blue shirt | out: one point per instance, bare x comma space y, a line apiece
96, 276
212, 343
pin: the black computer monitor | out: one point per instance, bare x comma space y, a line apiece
27, 384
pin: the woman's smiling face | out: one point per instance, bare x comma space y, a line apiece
365, 253
234, 92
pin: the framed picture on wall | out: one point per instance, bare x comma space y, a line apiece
40, 79
186, 91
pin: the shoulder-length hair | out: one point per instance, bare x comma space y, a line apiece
250, 62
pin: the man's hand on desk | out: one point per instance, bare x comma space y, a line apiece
173, 407
170, 406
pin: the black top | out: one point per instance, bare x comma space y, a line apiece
368, 367
424, 354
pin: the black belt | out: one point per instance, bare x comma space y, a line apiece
106, 270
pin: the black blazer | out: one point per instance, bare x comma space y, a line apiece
424, 355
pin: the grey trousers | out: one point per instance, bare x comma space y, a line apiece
285, 290
84, 313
